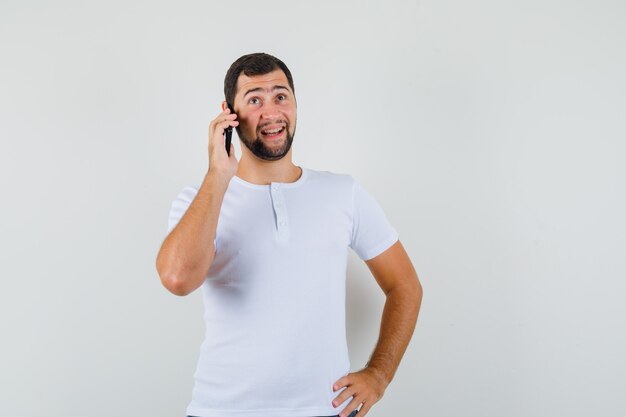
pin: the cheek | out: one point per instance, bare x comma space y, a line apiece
247, 123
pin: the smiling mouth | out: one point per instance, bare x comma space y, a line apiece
273, 133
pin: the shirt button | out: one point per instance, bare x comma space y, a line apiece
281, 223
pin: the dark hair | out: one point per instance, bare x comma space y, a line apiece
258, 63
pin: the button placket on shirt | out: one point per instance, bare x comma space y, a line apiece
280, 210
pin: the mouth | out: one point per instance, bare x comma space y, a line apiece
273, 132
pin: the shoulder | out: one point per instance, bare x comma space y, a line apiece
329, 178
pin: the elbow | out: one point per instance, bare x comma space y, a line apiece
176, 286
171, 281
410, 291
178, 277
179, 288
414, 291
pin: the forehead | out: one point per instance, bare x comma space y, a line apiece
266, 81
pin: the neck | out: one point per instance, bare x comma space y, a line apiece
258, 171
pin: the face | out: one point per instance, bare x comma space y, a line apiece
266, 110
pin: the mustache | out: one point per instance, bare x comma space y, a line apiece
274, 122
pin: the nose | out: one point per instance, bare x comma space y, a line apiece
271, 111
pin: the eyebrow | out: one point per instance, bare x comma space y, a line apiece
276, 87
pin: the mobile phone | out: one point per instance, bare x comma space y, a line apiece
228, 132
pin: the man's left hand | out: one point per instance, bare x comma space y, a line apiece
365, 386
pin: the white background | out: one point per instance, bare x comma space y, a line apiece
491, 132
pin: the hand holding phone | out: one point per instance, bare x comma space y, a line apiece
228, 132
223, 164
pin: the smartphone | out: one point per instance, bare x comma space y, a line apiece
228, 132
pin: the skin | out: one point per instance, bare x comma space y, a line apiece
396, 276
392, 269
258, 109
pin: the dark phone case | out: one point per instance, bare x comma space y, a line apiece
228, 132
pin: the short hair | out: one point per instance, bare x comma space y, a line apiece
258, 63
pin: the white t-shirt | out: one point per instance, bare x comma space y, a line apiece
274, 296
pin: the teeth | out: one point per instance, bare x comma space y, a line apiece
265, 132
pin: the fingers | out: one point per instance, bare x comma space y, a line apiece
222, 122
344, 395
354, 404
221, 126
226, 113
363, 410
217, 126
341, 382
359, 389
222, 163
341, 398
223, 119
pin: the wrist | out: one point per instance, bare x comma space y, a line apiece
379, 373
217, 179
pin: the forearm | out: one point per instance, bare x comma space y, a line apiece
397, 325
188, 251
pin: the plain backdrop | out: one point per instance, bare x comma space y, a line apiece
491, 133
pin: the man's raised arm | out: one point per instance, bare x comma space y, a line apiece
187, 252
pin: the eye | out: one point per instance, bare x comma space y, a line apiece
282, 97
253, 100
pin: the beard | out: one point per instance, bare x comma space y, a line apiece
268, 153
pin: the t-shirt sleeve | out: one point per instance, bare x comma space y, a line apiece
372, 233
179, 207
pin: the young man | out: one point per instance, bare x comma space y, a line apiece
267, 242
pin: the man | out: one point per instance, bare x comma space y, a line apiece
267, 241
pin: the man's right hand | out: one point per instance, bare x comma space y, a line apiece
220, 164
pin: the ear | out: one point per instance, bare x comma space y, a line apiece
224, 105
